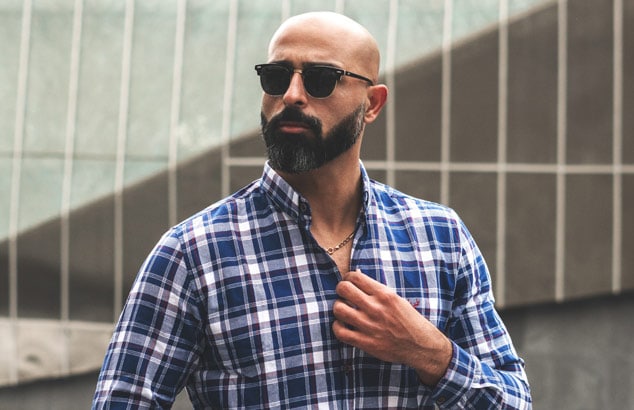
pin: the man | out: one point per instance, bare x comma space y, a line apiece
315, 286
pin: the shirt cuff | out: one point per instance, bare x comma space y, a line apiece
451, 391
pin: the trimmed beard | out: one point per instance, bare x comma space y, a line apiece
297, 153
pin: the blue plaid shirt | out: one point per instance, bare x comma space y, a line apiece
235, 304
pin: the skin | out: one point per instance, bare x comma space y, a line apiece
368, 315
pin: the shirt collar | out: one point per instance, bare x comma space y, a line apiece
292, 202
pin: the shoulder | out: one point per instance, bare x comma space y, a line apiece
438, 222
393, 201
222, 216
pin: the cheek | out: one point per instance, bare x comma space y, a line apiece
269, 104
334, 117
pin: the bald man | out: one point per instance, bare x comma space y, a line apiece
315, 286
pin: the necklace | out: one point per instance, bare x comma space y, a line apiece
343, 243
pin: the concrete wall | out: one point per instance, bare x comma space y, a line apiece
579, 354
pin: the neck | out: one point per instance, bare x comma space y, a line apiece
334, 192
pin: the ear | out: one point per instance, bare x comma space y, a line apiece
377, 96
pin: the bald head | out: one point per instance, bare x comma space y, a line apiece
331, 37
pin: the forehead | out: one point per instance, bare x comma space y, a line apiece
311, 43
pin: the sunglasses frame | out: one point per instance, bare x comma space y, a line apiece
290, 70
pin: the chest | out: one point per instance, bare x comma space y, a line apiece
267, 294
263, 307
342, 260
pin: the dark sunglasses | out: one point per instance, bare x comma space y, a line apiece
319, 81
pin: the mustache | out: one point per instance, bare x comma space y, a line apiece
292, 115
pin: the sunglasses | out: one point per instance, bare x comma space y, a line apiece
319, 81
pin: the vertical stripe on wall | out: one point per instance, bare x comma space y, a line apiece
390, 67
232, 28
18, 140
69, 153
561, 148
500, 284
617, 160
446, 102
177, 81
124, 100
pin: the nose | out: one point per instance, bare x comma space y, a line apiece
295, 94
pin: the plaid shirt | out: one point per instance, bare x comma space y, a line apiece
235, 304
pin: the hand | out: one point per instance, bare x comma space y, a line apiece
375, 319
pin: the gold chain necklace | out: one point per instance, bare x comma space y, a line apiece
343, 243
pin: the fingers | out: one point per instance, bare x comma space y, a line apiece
348, 314
351, 294
360, 310
358, 289
351, 325
363, 282
344, 333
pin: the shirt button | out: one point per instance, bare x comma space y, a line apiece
347, 368
441, 400
302, 207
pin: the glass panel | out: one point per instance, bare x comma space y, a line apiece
531, 209
49, 65
10, 27
588, 248
199, 184
304, 6
474, 100
532, 89
145, 219
91, 262
40, 190
6, 165
420, 29
418, 111
151, 78
474, 196
518, 6
39, 262
92, 178
628, 83
136, 169
99, 77
4, 280
627, 233
257, 21
473, 15
420, 184
242, 176
203, 83
589, 84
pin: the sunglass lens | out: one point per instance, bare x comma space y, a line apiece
320, 81
275, 79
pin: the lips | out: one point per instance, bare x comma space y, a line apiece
293, 127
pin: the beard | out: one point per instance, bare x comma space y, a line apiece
296, 153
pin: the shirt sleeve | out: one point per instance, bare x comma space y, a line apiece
156, 342
485, 371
